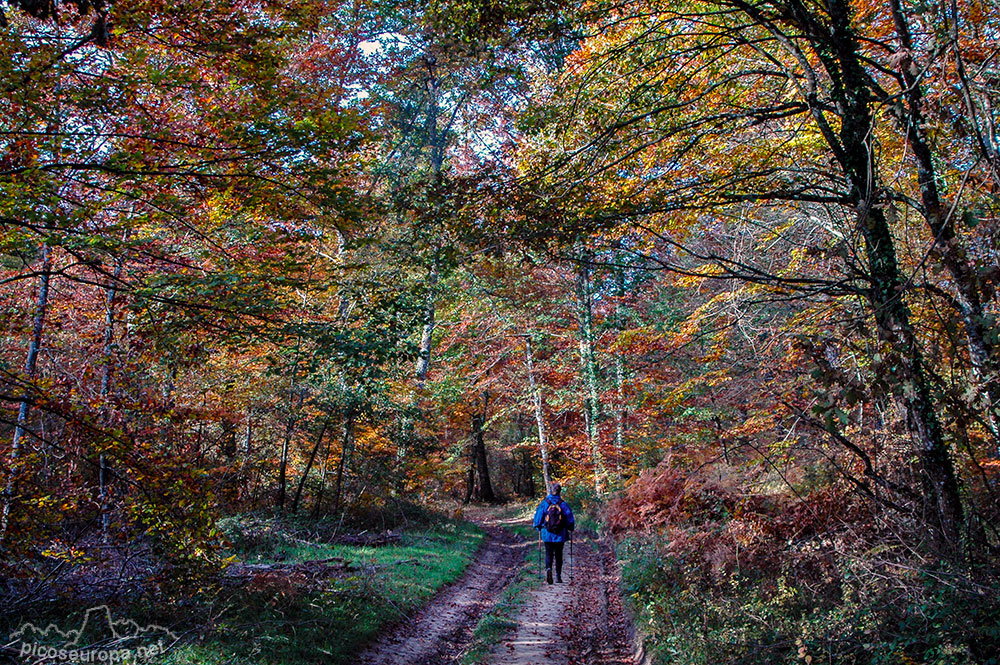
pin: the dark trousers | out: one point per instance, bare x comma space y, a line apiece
554, 550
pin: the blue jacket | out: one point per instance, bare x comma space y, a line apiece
560, 536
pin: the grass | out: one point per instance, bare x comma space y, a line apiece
502, 619
277, 621
282, 617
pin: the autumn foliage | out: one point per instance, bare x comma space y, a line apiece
726, 269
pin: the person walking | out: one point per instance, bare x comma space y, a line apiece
555, 524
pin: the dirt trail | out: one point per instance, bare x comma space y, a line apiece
440, 632
579, 621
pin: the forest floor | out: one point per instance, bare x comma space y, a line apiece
581, 621
444, 592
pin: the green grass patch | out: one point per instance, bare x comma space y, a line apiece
502, 619
277, 616
275, 621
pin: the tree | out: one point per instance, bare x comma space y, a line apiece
672, 118
217, 148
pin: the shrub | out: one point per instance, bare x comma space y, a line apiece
714, 576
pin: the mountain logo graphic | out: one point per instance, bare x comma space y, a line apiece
97, 622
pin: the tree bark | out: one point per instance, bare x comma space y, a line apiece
109, 335
346, 445
470, 477
485, 487
588, 368
536, 397
436, 141
619, 415
982, 352
286, 445
837, 49
30, 372
427, 333
309, 465
619, 380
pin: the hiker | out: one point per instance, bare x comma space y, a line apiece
555, 523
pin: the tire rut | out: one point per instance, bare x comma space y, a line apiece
440, 632
580, 622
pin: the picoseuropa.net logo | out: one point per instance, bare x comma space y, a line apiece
99, 639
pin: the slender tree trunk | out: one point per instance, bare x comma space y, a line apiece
324, 467
309, 465
588, 369
109, 336
286, 445
436, 142
527, 464
981, 116
470, 478
30, 371
346, 444
248, 435
482, 467
422, 368
536, 397
620, 405
427, 334
619, 415
246, 484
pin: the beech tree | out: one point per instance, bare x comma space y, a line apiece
169, 176
672, 116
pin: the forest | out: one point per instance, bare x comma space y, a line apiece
304, 301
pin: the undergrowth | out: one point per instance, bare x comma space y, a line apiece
278, 622
279, 613
749, 618
715, 577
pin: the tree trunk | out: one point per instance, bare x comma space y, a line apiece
248, 436
485, 492
619, 415
527, 464
470, 478
427, 334
982, 352
30, 371
620, 405
286, 444
837, 49
309, 465
436, 142
536, 397
346, 444
981, 116
588, 369
109, 335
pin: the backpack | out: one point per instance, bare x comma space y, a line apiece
554, 521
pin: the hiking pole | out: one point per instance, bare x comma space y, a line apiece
540, 554
571, 557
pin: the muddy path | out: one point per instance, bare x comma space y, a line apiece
440, 632
579, 622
